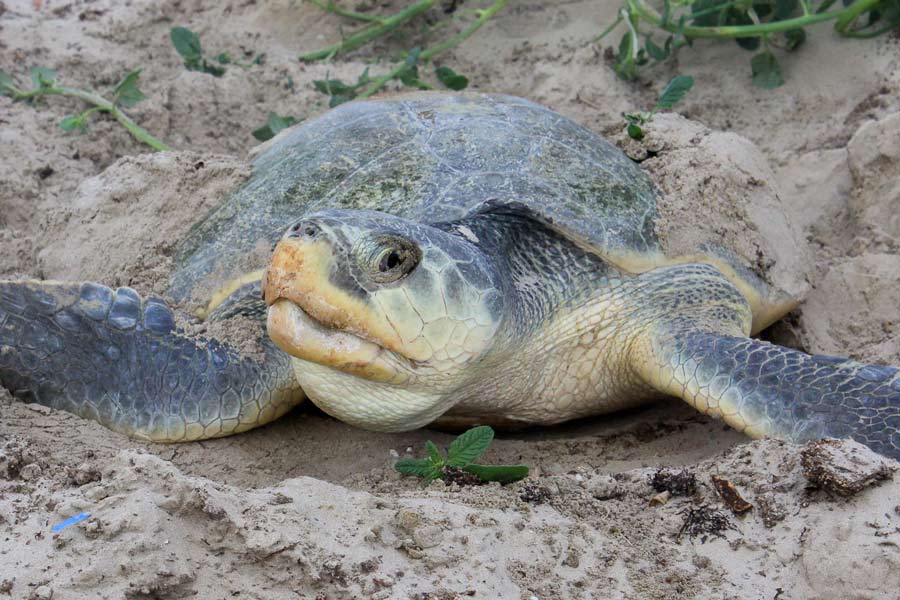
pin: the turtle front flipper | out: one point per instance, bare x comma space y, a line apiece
765, 390
111, 356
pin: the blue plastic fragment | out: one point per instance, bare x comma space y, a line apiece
70, 521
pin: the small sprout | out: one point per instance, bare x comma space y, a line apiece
187, 43
460, 457
274, 124
672, 95
125, 95
407, 72
339, 91
451, 79
766, 71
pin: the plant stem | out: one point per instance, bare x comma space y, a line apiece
609, 29
333, 8
844, 18
101, 105
483, 17
372, 32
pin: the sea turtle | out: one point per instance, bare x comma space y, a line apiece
470, 258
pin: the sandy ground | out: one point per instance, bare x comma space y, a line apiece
802, 182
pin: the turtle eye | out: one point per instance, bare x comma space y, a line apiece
390, 258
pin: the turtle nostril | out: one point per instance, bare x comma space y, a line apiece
301, 229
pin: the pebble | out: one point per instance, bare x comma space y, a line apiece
42, 592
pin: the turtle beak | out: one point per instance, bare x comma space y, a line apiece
309, 318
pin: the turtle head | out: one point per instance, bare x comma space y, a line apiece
383, 316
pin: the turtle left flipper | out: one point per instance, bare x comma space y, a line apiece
764, 390
114, 357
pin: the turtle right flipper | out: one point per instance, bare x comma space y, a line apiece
764, 390
111, 356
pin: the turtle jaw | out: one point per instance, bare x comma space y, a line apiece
301, 336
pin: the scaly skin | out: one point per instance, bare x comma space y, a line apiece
111, 356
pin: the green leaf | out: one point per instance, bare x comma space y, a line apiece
469, 446
42, 77
625, 66
127, 93
338, 100
498, 473
784, 9
766, 71
73, 122
434, 453
224, 58
363, 79
675, 91
747, 43
655, 52
451, 79
333, 87
794, 38
274, 124
208, 67
186, 43
413, 466
419, 467
635, 132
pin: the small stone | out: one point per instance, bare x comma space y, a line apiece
428, 536
30, 472
843, 467
770, 510
39, 408
279, 498
660, 498
42, 592
85, 473
394, 453
407, 520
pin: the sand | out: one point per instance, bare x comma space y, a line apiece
803, 183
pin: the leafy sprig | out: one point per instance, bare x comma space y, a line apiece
461, 455
406, 70
125, 95
340, 92
755, 25
187, 44
670, 96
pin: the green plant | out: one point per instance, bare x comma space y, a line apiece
672, 95
125, 95
461, 455
340, 92
187, 43
755, 25
274, 124
405, 70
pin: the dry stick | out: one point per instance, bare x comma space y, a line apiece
373, 31
100, 104
483, 17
